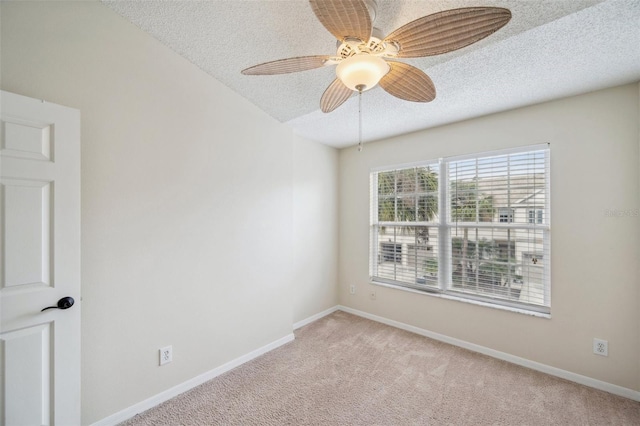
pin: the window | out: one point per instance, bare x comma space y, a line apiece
473, 227
406, 204
535, 216
505, 215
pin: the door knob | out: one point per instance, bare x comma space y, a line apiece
64, 303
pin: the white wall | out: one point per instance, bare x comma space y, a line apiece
595, 292
315, 228
187, 203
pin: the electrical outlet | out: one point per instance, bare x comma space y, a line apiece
600, 347
352, 289
372, 295
166, 355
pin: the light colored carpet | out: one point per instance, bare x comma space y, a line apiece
346, 370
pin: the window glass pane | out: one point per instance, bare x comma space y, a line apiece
408, 254
406, 208
386, 182
428, 207
408, 195
391, 252
387, 208
499, 263
502, 188
465, 201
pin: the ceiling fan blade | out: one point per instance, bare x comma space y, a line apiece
407, 82
284, 66
344, 18
447, 31
335, 95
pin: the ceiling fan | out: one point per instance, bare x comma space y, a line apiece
364, 56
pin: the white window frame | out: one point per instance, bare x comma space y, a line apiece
444, 226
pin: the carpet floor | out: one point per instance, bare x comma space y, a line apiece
347, 370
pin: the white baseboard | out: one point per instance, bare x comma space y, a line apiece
564, 374
127, 413
315, 317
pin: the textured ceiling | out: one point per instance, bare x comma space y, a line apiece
549, 49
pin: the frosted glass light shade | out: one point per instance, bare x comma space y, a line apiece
362, 69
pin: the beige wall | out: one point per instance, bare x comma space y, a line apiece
169, 162
595, 279
188, 212
315, 230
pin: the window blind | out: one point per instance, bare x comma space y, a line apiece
475, 227
404, 225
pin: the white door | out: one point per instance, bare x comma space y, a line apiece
39, 262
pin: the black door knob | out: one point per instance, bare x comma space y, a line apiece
64, 303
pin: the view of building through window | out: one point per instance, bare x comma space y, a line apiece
487, 239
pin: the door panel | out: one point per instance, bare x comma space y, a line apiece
26, 351
40, 262
27, 139
27, 232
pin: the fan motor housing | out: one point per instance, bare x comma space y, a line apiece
353, 46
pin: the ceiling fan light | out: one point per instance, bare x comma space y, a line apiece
362, 70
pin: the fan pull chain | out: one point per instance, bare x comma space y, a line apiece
359, 87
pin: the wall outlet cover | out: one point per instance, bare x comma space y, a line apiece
600, 347
166, 355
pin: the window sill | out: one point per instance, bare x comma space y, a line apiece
464, 300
